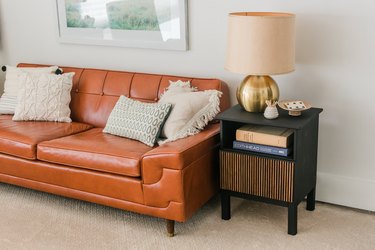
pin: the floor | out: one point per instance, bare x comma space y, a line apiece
36, 220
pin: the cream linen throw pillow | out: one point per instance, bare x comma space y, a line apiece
44, 97
13, 84
191, 112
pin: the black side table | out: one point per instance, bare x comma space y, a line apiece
283, 181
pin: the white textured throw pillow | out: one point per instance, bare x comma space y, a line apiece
44, 97
191, 112
180, 86
137, 120
13, 84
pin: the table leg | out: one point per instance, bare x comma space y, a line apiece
225, 205
310, 201
292, 219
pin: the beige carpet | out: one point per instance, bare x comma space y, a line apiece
36, 220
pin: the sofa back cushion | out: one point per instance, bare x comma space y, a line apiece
96, 91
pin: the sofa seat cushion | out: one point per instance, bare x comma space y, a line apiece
96, 150
20, 138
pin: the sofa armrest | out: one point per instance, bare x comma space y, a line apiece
182, 173
179, 154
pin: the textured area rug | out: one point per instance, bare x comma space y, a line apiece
36, 220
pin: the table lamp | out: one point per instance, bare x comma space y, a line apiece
260, 44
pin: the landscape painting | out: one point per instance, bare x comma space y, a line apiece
158, 24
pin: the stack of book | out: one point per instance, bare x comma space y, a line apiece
264, 139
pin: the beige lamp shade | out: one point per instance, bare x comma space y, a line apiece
261, 43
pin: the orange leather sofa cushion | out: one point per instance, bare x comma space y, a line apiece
21, 138
96, 150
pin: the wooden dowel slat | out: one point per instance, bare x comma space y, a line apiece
265, 177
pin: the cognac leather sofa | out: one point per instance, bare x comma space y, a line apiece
77, 160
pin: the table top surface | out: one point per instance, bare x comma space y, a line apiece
238, 114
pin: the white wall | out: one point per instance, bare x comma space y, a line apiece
334, 70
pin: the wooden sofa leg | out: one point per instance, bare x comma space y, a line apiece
170, 228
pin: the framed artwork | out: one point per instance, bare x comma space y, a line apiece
155, 24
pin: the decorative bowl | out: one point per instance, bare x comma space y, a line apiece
294, 107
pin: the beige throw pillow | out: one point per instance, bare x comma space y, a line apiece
44, 97
179, 87
191, 112
13, 84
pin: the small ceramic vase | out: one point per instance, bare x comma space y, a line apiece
271, 110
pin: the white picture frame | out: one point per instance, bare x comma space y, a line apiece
162, 24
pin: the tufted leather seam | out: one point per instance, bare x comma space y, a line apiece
79, 81
104, 80
99, 103
157, 91
131, 84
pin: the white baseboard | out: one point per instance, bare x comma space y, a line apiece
346, 191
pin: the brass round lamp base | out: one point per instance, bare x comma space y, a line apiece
255, 90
